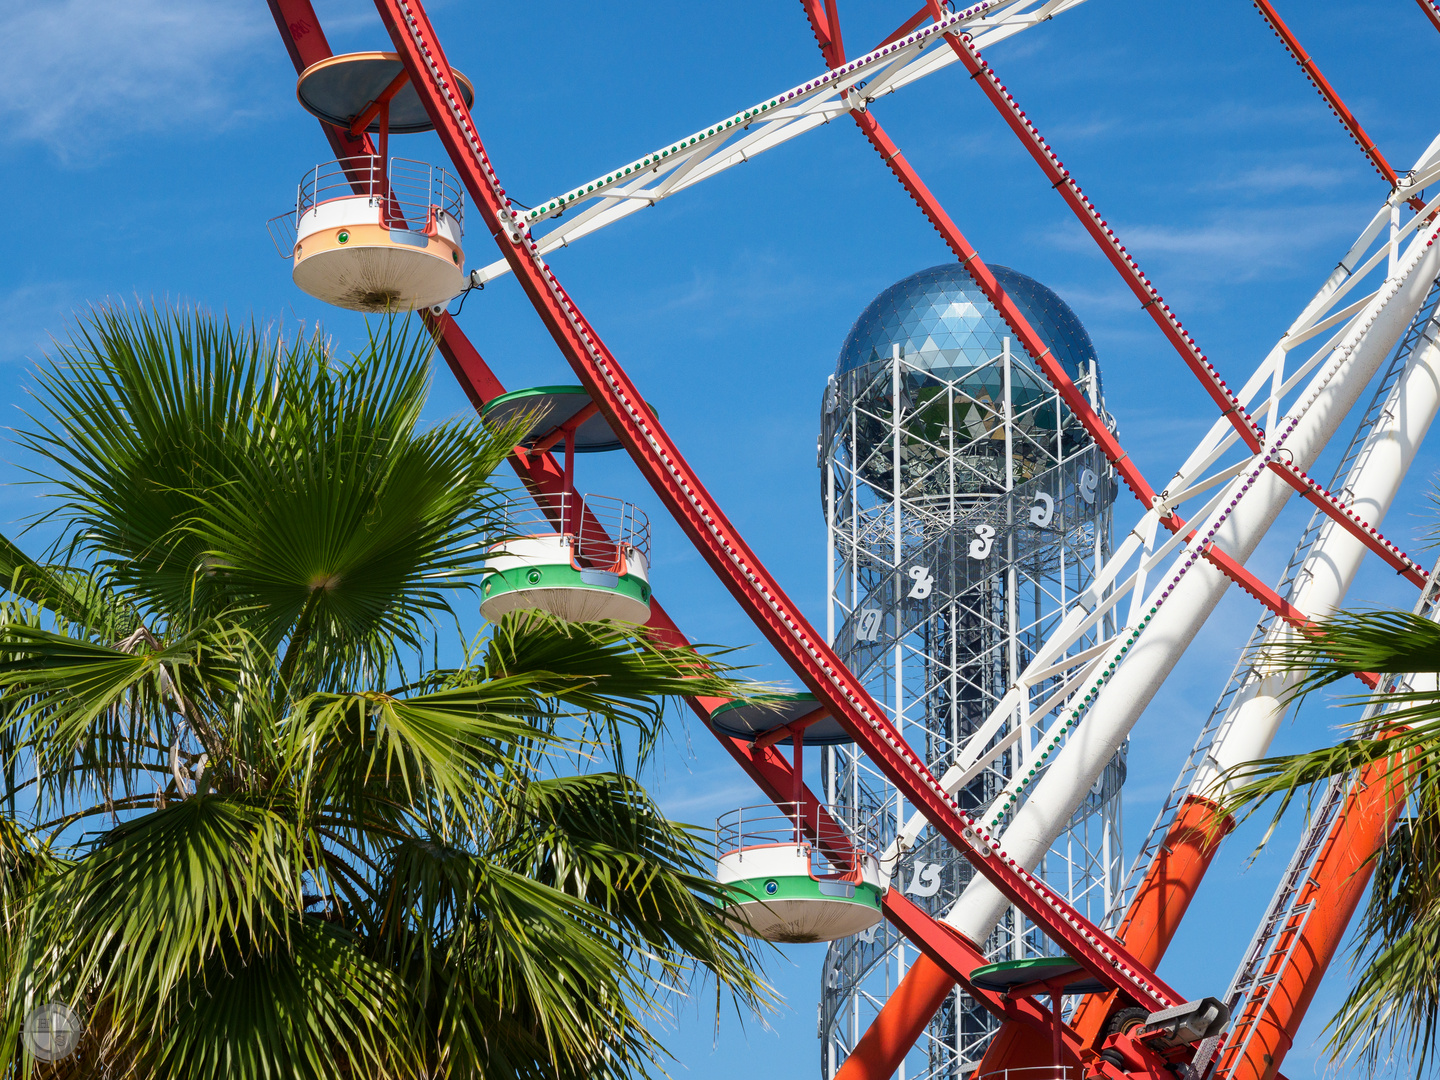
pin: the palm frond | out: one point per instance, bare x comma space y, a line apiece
613, 675
312, 1009
1394, 1004
452, 751
157, 899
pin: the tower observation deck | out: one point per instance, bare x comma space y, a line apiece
965, 509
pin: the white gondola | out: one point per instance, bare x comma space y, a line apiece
395, 248
580, 557
370, 232
790, 877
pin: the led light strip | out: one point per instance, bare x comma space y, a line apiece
1195, 549
840, 77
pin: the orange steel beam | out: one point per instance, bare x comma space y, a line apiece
1163, 896
1195, 835
1309, 942
897, 1027
957, 956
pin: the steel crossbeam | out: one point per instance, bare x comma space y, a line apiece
677, 485
739, 137
1303, 887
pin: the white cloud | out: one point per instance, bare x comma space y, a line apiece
77, 69
1269, 179
1231, 244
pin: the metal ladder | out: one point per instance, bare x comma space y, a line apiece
1269, 952
1289, 582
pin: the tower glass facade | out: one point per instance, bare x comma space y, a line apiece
966, 509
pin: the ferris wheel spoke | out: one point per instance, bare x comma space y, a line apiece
1326, 91
738, 138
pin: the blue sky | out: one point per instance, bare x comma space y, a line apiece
146, 143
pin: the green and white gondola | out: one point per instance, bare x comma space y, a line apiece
788, 880
542, 571
579, 557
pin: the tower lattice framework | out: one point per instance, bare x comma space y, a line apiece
960, 529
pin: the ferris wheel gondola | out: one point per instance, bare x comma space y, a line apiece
793, 875
580, 557
371, 232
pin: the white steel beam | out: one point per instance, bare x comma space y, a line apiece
1179, 606
739, 137
1330, 568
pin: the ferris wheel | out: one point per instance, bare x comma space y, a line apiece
969, 506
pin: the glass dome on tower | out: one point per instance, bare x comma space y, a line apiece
951, 340
943, 322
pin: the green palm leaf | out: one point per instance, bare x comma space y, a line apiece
255, 828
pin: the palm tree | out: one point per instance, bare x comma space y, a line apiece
1393, 1007
267, 813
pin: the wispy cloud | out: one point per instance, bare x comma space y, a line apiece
1232, 244
25, 313
76, 68
1296, 177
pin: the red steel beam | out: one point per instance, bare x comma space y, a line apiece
1328, 92
543, 475
908, 25
825, 24
1432, 11
680, 489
